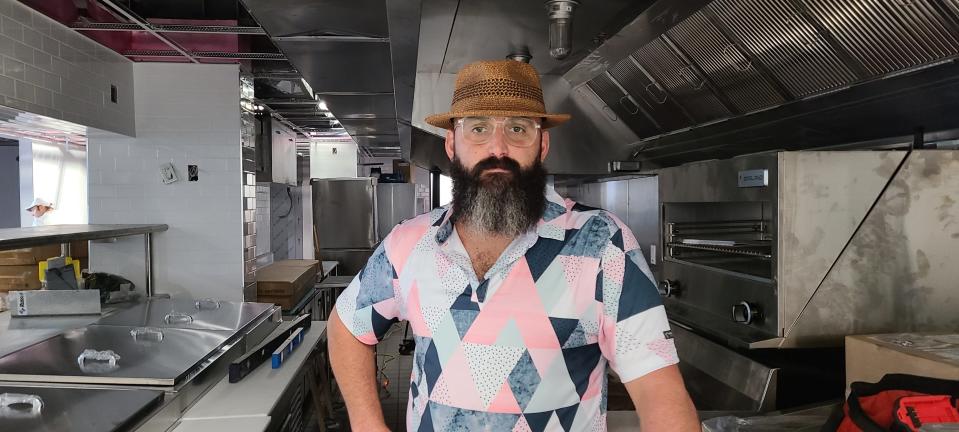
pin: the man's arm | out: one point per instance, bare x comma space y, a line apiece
354, 364
662, 402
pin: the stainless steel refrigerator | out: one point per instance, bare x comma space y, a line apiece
352, 215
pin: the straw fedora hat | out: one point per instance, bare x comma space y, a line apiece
497, 88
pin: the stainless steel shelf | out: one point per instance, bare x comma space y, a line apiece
15, 238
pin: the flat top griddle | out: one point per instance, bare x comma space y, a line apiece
77, 410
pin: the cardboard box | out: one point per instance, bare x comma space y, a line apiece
869, 358
284, 302
19, 283
287, 278
18, 257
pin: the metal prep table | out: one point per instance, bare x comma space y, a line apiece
178, 359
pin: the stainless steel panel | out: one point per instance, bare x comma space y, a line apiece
369, 65
320, 17
378, 105
344, 213
745, 376
887, 36
203, 314
785, 43
351, 260
724, 63
377, 126
625, 107
897, 273
143, 360
642, 216
614, 197
506, 26
395, 203
78, 410
654, 97
682, 81
14, 238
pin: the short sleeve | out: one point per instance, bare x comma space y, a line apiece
369, 306
635, 335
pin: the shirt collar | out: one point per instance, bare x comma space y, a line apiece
546, 227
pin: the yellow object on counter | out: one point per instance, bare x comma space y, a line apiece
68, 260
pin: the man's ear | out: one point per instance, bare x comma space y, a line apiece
450, 149
544, 146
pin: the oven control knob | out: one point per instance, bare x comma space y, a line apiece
669, 288
746, 313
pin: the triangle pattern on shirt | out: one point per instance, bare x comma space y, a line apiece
524, 380
566, 416
490, 366
577, 338
563, 327
538, 421
555, 389
511, 336
463, 319
504, 402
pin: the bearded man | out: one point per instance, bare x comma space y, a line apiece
518, 299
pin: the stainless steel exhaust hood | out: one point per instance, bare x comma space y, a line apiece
697, 80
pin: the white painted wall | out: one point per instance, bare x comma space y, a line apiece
51, 70
10, 186
333, 160
185, 114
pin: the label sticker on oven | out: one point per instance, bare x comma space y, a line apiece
754, 178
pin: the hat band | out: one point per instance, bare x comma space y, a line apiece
498, 87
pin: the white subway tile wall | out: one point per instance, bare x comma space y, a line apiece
202, 253
51, 70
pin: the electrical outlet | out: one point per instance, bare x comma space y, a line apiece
167, 173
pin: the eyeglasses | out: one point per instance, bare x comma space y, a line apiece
517, 131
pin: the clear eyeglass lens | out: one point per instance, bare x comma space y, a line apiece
517, 131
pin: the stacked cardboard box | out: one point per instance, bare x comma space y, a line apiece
19, 270
285, 282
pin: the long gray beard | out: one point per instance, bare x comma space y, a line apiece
500, 205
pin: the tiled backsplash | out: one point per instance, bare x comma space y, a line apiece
186, 114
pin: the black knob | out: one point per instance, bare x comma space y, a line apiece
746, 313
669, 288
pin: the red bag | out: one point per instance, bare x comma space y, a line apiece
872, 407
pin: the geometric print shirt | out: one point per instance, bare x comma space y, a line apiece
524, 347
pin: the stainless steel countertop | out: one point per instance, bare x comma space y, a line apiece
80, 410
189, 314
14, 238
147, 361
258, 393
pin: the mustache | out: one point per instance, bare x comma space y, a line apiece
491, 162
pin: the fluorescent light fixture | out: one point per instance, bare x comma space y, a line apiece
309, 90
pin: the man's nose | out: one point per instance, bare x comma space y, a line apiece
497, 144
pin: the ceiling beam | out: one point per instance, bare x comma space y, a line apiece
137, 20
168, 28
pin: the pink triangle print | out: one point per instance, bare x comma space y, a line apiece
504, 402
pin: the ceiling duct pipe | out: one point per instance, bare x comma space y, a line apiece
560, 14
521, 55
